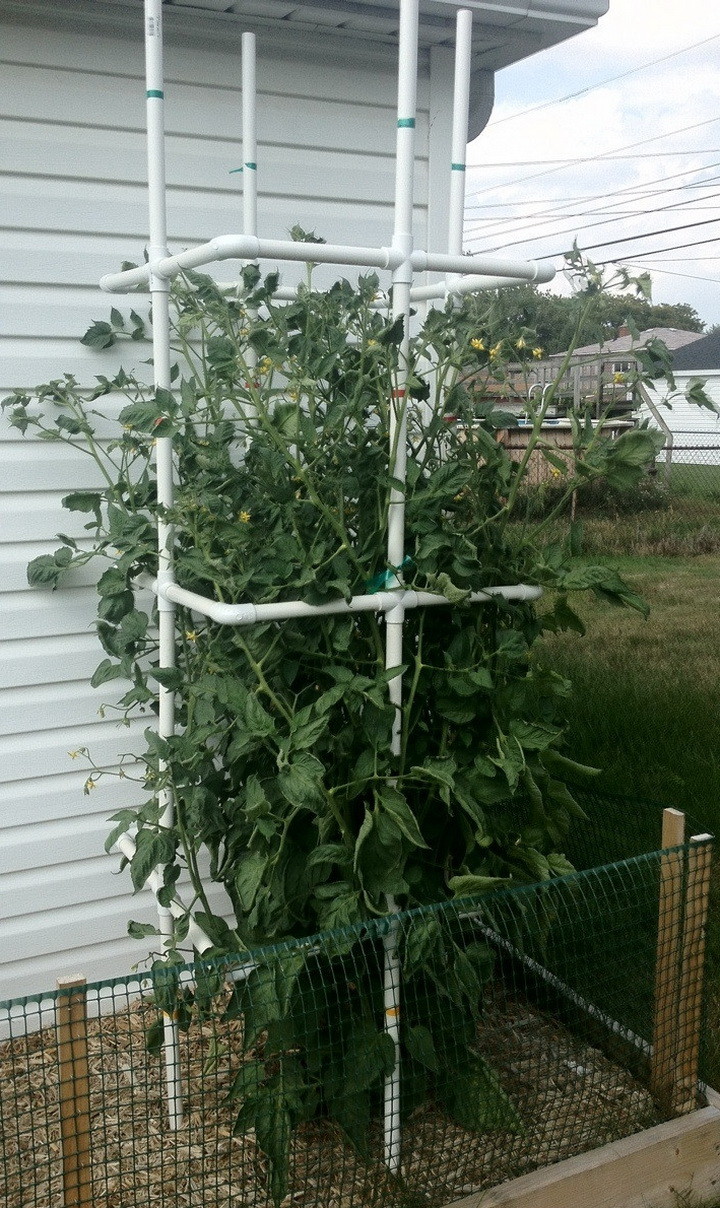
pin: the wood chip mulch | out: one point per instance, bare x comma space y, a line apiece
569, 1097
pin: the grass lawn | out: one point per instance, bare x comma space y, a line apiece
645, 708
645, 705
697, 481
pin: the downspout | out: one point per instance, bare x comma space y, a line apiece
654, 410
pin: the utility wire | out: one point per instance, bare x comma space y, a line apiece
640, 188
571, 96
668, 272
647, 235
512, 235
534, 163
591, 159
676, 247
637, 191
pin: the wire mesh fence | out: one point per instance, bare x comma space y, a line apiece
690, 465
536, 1023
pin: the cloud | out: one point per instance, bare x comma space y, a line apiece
668, 118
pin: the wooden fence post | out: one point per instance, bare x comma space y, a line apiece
663, 1070
74, 1090
689, 1021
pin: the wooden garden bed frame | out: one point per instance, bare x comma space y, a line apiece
650, 1170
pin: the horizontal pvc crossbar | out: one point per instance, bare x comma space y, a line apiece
476, 284
420, 293
249, 247
285, 610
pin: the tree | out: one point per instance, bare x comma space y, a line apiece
553, 318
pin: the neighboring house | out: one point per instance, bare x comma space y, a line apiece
597, 372
694, 432
74, 207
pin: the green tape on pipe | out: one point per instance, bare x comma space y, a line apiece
234, 170
249, 164
155, 92
378, 582
458, 167
407, 121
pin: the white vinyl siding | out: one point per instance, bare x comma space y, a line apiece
72, 207
696, 430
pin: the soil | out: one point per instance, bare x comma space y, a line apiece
569, 1097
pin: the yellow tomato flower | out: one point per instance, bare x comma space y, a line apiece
477, 345
618, 378
191, 635
520, 343
74, 754
496, 350
265, 365
244, 517
537, 353
90, 784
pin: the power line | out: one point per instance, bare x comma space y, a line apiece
590, 159
588, 226
640, 189
571, 96
534, 163
648, 235
676, 247
669, 273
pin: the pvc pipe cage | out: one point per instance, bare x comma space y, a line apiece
463, 274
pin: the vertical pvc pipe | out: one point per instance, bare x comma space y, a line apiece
461, 105
159, 296
402, 281
249, 134
249, 177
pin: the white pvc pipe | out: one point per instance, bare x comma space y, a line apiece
486, 266
249, 247
195, 935
461, 106
392, 974
402, 242
249, 141
285, 610
159, 293
249, 135
475, 284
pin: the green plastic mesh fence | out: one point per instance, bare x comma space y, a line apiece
533, 1023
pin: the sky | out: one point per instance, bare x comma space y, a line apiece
638, 154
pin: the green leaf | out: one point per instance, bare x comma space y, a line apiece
419, 1044
99, 335
475, 1099
391, 801
155, 1038
139, 931
84, 501
248, 877
468, 885
107, 670
44, 572
567, 767
301, 781
152, 849
273, 1125
369, 1056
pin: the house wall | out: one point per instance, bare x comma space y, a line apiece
696, 430
73, 206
